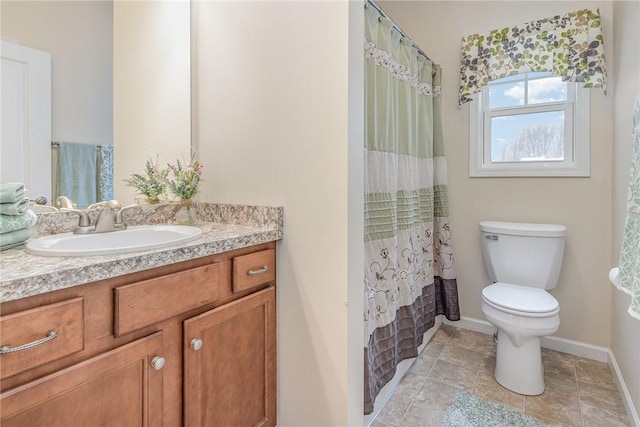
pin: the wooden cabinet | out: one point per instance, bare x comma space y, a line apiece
127, 351
49, 332
117, 388
229, 364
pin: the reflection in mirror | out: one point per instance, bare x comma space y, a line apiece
78, 36
152, 87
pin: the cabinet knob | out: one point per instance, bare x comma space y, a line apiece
196, 344
157, 363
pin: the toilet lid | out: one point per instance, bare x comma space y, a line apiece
520, 298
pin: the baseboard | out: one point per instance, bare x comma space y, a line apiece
576, 348
588, 351
594, 352
624, 391
472, 324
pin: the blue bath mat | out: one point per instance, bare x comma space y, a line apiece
468, 410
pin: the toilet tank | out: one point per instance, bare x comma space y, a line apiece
523, 254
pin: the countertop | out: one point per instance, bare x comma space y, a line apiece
225, 228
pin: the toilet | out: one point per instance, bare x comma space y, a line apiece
523, 261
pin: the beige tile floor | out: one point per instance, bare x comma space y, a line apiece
579, 392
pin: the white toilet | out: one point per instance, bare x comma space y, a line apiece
523, 260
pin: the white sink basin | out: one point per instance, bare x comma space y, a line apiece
133, 239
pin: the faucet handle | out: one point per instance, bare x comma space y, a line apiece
113, 204
84, 221
120, 215
63, 202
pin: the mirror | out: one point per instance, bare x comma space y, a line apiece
78, 36
120, 75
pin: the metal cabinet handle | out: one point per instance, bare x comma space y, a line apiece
5, 349
264, 269
157, 363
196, 344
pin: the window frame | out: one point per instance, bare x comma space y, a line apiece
577, 141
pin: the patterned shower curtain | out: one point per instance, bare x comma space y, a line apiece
629, 273
409, 272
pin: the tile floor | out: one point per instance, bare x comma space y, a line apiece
579, 392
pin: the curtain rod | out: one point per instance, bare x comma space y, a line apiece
57, 144
396, 26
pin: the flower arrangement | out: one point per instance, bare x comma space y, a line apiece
152, 183
186, 178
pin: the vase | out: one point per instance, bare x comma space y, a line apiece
186, 215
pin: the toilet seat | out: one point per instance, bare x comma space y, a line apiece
520, 300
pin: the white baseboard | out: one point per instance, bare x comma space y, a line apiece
624, 391
588, 351
594, 352
576, 348
472, 324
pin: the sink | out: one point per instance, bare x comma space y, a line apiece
133, 239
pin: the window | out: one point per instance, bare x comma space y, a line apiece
531, 124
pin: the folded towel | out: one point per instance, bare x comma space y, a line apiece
10, 223
12, 238
12, 245
11, 192
16, 208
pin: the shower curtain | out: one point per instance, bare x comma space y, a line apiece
409, 272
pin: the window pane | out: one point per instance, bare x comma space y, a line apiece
551, 89
528, 137
506, 95
539, 74
509, 79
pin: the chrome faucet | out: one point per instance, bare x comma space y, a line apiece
108, 218
63, 202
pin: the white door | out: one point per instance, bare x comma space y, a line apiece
25, 146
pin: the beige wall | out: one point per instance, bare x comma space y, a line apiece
79, 37
151, 78
625, 330
271, 128
582, 204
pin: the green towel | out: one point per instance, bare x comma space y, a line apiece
11, 192
10, 239
9, 223
16, 208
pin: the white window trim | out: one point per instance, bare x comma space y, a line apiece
577, 166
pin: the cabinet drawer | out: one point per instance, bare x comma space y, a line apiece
254, 270
145, 303
37, 326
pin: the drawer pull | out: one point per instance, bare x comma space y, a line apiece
5, 349
264, 269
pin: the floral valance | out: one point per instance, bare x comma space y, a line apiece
570, 46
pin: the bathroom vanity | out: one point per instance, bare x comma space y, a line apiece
191, 341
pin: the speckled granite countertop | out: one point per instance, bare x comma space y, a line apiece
225, 228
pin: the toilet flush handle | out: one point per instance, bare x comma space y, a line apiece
491, 237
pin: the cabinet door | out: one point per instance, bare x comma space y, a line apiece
117, 388
230, 364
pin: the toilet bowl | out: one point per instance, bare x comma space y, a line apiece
523, 260
522, 316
